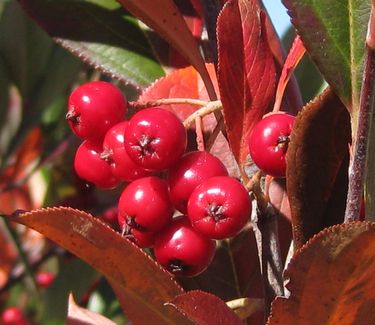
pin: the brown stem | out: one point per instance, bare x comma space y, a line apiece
167, 101
203, 111
357, 167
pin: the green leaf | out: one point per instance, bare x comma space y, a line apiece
164, 17
334, 34
102, 34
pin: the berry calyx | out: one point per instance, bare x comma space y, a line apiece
145, 205
93, 108
219, 207
182, 250
268, 143
155, 139
190, 171
122, 166
89, 166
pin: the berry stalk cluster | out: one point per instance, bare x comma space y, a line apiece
180, 215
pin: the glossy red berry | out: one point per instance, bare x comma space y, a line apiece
114, 152
145, 205
155, 138
182, 250
140, 238
44, 279
13, 316
93, 108
268, 143
219, 207
89, 166
190, 171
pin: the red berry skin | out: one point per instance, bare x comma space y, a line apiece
93, 108
122, 166
155, 139
268, 143
44, 279
145, 205
89, 166
182, 250
219, 207
190, 171
13, 316
140, 238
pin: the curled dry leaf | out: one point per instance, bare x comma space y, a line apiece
317, 161
79, 316
144, 283
331, 279
205, 309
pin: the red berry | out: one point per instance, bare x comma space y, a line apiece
190, 171
89, 166
219, 207
145, 205
13, 316
141, 238
268, 143
93, 108
182, 250
155, 138
114, 151
44, 279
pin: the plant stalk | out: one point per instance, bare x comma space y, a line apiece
366, 104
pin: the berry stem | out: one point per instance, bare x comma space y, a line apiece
167, 101
199, 133
360, 143
203, 111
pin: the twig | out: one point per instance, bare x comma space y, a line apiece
203, 111
366, 104
167, 101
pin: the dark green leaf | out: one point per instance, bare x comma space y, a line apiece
101, 34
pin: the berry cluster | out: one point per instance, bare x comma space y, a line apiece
180, 215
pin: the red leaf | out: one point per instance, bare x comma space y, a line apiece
142, 281
246, 71
164, 17
295, 55
205, 309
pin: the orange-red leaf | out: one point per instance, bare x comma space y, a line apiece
295, 55
164, 17
204, 309
186, 83
246, 71
331, 279
145, 284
